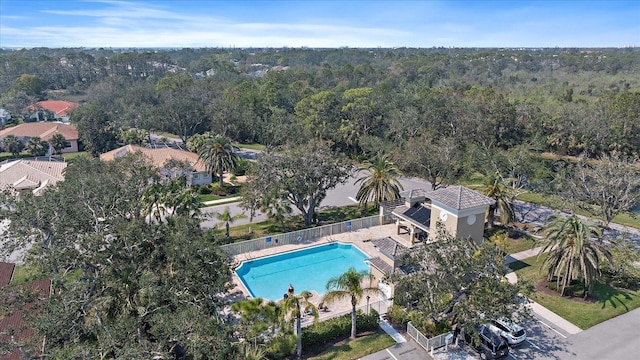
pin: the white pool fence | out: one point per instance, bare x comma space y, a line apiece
300, 236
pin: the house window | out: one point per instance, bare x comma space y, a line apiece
195, 176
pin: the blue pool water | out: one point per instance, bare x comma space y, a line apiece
306, 269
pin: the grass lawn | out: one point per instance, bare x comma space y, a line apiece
210, 197
606, 302
355, 349
292, 223
250, 146
70, 156
22, 274
510, 242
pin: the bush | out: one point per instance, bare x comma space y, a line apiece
398, 316
204, 190
337, 328
241, 168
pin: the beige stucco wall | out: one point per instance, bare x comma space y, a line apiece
457, 223
475, 230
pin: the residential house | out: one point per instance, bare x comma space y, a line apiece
166, 159
50, 110
31, 175
45, 131
13, 327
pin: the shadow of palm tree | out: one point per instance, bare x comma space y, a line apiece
612, 296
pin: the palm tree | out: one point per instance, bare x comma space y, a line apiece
572, 253
36, 146
12, 144
228, 219
58, 142
258, 317
381, 184
350, 285
496, 189
218, 156
294, 306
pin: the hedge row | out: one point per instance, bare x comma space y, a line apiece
336, 328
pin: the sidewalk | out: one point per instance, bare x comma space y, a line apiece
222, 201
538, 309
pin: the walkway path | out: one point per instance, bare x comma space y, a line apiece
391, 331
538, 309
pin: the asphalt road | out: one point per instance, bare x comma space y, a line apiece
341, 195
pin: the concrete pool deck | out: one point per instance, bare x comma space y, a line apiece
360, 238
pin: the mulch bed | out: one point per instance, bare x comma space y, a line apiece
542, 287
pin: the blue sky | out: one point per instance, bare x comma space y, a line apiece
329, 23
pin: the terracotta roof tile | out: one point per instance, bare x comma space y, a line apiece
43, 130
6, 272
157, 156
59, 107
15, 321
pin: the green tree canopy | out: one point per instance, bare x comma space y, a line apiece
458, 281
123, 287
302, 175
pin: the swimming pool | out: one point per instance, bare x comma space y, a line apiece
306, 269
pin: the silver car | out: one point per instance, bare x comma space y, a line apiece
514, 334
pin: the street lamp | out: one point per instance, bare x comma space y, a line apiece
368, 297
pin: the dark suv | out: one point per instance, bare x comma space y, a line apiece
488, 344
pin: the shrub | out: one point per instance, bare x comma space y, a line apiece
204, 190
337, 328
398, 316
241, 168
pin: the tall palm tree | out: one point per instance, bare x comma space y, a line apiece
228, 219
293, 307
58, 142
381, 184
572, 253
12, 144
258, 317
350, 285
496, 189
36, 146
153, 202
174, 198
218, 156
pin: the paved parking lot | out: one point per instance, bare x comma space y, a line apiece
543, 342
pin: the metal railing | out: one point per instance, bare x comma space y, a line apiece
427, 343
299, 236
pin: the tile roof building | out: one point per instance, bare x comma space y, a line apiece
459, 209
45, 131
60, 109
160, 157
31, 175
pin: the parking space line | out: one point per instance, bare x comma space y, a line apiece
554, 330
513, 355
532, 344
395, 358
